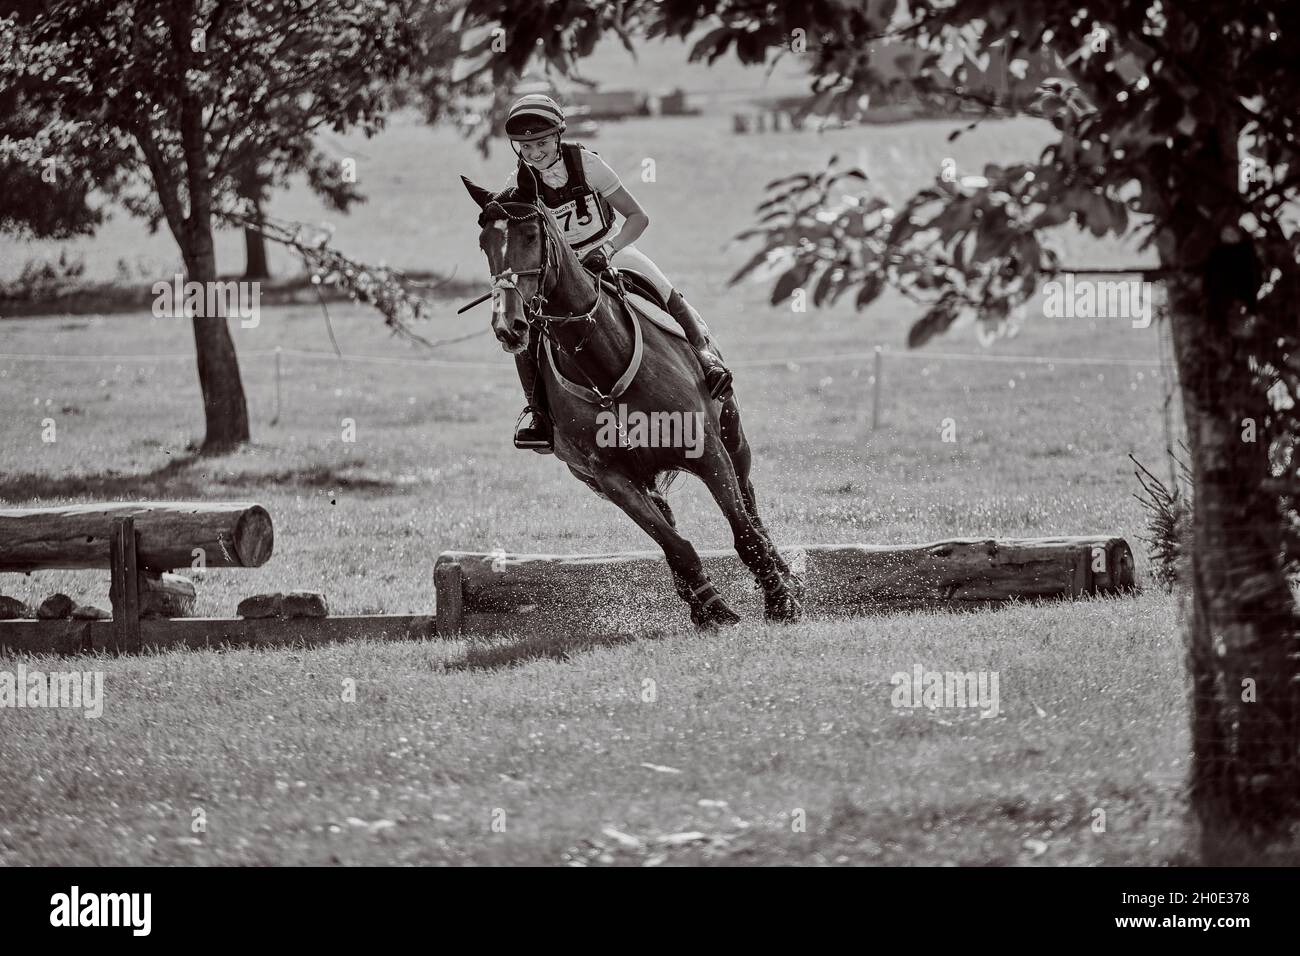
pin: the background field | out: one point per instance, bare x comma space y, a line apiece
747, 728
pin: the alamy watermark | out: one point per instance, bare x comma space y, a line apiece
80, 690
935, 689
1091, 299
233, 298
621, 428
75, 908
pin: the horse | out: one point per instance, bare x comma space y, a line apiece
542, 294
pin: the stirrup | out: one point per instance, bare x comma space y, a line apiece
533, 437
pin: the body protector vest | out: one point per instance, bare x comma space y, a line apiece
583, 214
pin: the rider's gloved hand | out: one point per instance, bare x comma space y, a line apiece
597, 260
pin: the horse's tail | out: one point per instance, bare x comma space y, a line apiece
665, 480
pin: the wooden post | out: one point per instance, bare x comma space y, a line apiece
124, 585
449, 595
276, 418
877, 374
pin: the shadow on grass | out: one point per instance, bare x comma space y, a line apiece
184, 478
499, 654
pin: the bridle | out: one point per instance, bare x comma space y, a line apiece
533, 308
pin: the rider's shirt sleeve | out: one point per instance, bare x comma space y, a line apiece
599, 176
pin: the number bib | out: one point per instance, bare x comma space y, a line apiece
578, 229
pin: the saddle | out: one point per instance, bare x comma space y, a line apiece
649, 304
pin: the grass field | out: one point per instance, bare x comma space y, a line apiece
761, 745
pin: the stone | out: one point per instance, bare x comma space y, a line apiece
56, 607
87, 612
261, 605
305, 604
168, 595
12, 609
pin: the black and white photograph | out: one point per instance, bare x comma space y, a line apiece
651, 434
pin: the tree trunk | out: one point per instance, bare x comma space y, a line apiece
224, 408
251, 188
187, 207
1242, 616
255, 264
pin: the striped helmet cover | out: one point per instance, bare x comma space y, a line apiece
534, 116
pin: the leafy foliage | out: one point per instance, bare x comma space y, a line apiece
1169, 517
382, 287
167, 104
42, 279
954, 248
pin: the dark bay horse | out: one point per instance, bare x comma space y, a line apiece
603, 359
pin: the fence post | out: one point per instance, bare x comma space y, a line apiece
875, 388
449, 598
276, 418
124, 585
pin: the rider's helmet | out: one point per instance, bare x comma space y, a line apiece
534, 117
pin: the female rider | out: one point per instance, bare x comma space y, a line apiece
583, 193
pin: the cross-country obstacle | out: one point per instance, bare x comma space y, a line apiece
140, 543
606, 593
480, 593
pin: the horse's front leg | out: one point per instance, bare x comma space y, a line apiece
708, 609
781, 600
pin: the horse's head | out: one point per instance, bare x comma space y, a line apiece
514, 238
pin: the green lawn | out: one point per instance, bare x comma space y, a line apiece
746, 730
761, 723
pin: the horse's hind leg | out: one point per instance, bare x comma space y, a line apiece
737, 446
781, 603
693, 586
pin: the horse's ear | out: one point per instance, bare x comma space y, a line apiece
527, 184
478, 193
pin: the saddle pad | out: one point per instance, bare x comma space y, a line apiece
655, 314
639, 296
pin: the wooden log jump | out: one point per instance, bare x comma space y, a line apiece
482, 593
227, 534
137, 543
513, 593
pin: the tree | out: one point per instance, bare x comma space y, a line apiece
1177, 123
258, 175
184, 92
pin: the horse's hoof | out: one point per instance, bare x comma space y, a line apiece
716, 615
784, 610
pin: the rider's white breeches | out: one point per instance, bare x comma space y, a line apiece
633, 258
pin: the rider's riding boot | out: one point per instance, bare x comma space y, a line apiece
716, 375
536, 432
